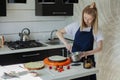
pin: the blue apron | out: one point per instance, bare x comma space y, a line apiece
83, 41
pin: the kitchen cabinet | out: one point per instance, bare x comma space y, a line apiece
53, 1
2, 7
46, 1
16, 1
82, 78
70, 1
15, 58
53, 8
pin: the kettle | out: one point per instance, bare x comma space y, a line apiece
24, 35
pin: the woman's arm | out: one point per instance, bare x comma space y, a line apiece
60, 34
91, 52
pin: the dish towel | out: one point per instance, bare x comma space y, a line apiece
20, 73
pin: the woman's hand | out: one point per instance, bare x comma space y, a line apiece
60, 34
68, 47
83, 54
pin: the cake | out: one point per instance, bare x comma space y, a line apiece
33, 65
57, 58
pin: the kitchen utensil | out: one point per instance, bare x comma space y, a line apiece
34, 74
10, 75
24, 35
76, 64
75, 56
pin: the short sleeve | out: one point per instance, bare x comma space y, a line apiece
72, 28
99, 36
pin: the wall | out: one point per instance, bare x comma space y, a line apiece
109, 21
20, 16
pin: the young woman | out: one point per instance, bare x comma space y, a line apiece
84, 35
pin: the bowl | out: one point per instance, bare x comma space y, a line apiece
75, 56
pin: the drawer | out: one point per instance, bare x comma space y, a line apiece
23, 57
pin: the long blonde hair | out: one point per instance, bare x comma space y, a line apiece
91, 10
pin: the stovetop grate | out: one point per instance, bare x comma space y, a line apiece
23, 44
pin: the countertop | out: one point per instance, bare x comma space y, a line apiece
46, 73
6, 50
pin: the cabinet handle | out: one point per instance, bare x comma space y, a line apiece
30, 55
59, 12
63, 54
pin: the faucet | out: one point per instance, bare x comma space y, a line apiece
51, 34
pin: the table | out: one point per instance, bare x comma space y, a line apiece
46, 73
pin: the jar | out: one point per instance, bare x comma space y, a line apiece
88, 63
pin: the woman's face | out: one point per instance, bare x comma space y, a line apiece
88, 19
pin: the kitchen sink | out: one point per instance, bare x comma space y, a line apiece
56, 41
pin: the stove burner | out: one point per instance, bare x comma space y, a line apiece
23, 44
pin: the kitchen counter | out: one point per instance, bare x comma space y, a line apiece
48, 74
6, 50
30, 54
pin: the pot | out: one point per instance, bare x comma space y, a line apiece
24, 35
75, 56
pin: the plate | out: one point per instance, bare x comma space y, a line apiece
57, 63
57, 58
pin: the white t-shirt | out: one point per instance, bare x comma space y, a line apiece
72, 28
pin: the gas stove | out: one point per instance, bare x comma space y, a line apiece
13, 45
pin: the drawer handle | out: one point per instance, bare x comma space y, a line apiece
59, 12
30, 55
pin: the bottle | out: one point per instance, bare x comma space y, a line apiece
1, 41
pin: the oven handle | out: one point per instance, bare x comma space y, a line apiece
31, 55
